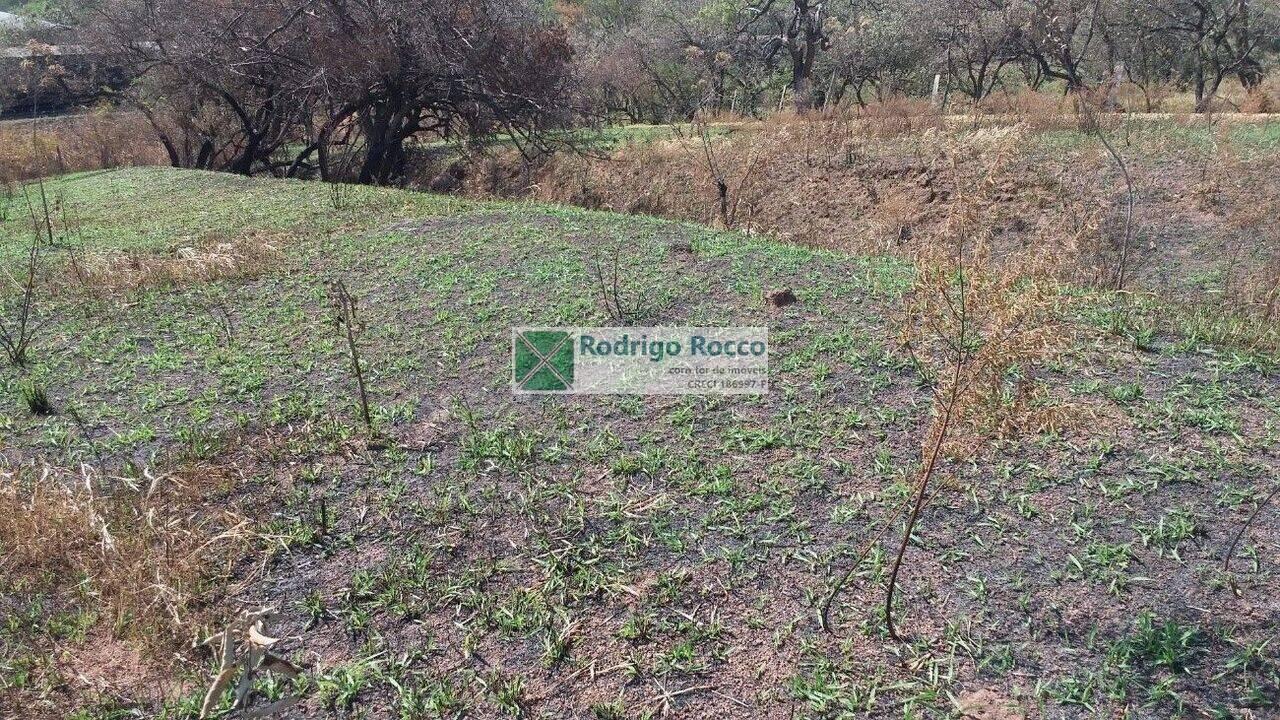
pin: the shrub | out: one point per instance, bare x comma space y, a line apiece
1259, 102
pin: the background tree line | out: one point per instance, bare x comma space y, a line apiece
658, 60
335, 88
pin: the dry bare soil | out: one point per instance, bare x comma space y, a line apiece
597, 557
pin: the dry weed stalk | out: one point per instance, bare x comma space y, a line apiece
970, 323
7, 196
614, 297
345, 315
1091, 122
338, 192
1215, 165
728, 192
18, 321
1244, 529
976, 324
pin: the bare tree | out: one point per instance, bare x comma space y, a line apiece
977, 44
1057, 36
270, 86
801, 31
224, 87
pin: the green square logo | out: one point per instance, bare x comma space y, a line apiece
542, 360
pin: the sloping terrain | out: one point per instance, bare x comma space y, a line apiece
1205, 189
487, 555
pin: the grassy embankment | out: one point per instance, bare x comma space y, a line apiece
591, 556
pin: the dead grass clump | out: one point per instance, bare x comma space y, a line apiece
895, 220
1270, 88
1242, 191
1251, 283
1150, 98
799, 181
135, 555
1038, 111
1055, 213
638, 168
1259, 102
106, 273
899, 116
665, 178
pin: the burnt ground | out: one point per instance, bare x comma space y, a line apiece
612, 557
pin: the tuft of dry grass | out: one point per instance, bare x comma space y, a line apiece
1251, 285
106, 273
896, 116
1259, 102
137, 554
139, 565
1038, 111
1242, 193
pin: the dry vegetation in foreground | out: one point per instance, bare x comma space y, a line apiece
257, 456
413, 532
122, 570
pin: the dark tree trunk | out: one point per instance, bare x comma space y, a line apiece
1202, 104
802, 90
205, 159
386, 128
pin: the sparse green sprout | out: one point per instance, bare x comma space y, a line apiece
615, 710
1167, 644
35, 398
